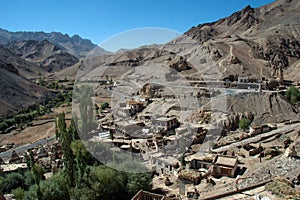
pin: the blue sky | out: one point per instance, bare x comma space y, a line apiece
99, 20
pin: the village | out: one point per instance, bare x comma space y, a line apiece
195, 160
192, 158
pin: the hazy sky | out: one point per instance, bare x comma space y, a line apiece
98, 20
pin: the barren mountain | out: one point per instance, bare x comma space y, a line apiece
16, 91
25, 68
74, 45
69, 73
258, 42
43, 53
255, 42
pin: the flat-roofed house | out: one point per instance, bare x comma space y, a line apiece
165, 123
131, 108
124, 112
199, 161
129, 128
243, 79
136, 106
226, 165
166, 165
255, 130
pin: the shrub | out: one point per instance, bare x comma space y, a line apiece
244, 123
104, 105
293, 94
3, 126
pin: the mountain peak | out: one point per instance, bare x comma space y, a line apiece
74, 45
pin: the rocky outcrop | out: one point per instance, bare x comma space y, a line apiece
179, 64
215, 54
290, 152
234, 60
150, 90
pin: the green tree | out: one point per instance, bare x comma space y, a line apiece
137, 182
12, 181
60, 124
107, 183
66, 139
31, 194
293, 94
19, 193
38, 173
82, 159
29, 159
244, 123
3, 126
28, 180
55, 188
83, 194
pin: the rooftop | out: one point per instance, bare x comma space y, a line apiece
226, 160
208, 158
134, 102
164, 119
168, 160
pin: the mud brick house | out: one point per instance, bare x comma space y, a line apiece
128, 128
136, 106
166, 165
164, 123
131, 108
197, 161
255, 130
226, 165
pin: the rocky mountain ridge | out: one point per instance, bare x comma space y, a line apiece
74, 45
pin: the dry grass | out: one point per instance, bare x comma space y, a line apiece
35, 133
30, 134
